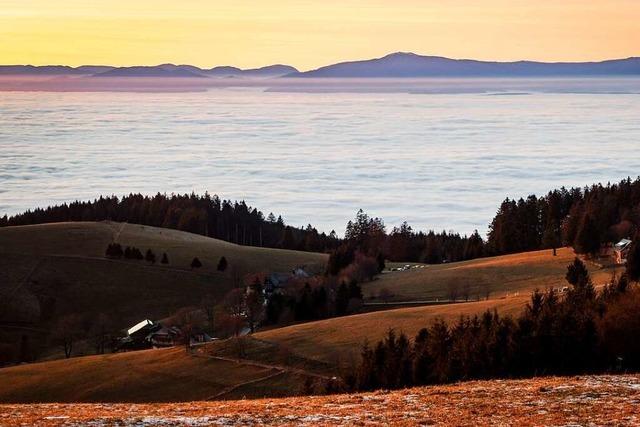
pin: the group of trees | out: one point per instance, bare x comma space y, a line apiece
207, 215
307, 302
114, 250
582, 218
366, 245
93, 331
578, 331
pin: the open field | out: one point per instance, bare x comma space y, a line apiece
90, 239
585, 400
144, 376
291, 354
513, 277
500, 276
340, 338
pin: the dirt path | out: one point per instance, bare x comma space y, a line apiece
26, 278
119, 232
237, 386
254, 363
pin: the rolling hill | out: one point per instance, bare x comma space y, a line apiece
293, 352
406, 64
511, 279
499, 276
52, 270
166, 375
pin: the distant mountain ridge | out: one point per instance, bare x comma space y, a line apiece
163, 70
395, 65
404, 65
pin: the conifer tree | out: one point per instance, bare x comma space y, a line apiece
633, 261
222, 264
150, 256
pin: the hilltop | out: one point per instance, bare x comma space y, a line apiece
394, 65
406, 64
51, 270
585, 400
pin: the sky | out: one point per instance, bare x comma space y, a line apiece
311, 33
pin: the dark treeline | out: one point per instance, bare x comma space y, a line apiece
239, 223
582, 218
207, 215
307, 303
366, 238
578, 331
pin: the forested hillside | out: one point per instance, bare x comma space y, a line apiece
234, 222
582, 218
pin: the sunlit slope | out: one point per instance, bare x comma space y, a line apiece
142, 376
501, 276
341, 338
511, 278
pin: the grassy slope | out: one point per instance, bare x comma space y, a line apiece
53, 269
513, 275
340, 339
91, 239
328, 341
585, 400
503, 275
143, 376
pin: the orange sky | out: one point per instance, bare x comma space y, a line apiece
308, 33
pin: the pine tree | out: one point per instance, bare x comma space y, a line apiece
588, 238
196, 263
165, 258
342, 300
150, 256
578, 274
222, 264
633, 261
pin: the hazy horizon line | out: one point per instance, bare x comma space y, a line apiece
284, 63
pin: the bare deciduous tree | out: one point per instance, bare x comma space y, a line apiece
66, 332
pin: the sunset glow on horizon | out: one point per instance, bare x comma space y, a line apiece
309, 34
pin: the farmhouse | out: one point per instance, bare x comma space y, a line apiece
621, 250
275, 282
149, 334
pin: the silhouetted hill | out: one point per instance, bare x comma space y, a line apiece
277, 70
167, 70
402, 64
53, 70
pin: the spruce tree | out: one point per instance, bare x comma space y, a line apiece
150, 256
588, 238
222, 264
165, 259
196, 263
633, 261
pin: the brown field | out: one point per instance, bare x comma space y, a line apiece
90, 239
585, 400
164, 375
340, 339
503, 276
